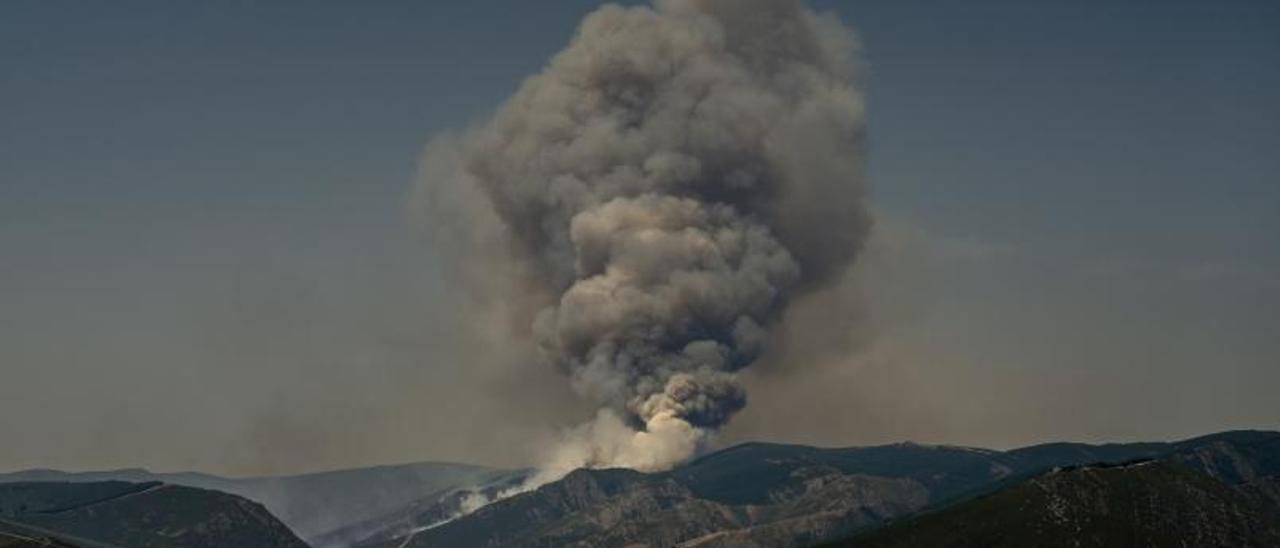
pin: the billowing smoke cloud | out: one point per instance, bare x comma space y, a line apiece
656, 195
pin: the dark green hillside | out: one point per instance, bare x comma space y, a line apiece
17, 535
35, 497
140, 516
310, 504
756, 473
1153, 503
1235, 458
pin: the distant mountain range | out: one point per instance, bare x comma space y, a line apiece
1218, 490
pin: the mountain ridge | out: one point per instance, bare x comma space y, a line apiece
761, 494
139, 515
1146, 503
766, 494
311, 503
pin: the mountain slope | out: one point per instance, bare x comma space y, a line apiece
760, 485
783, 495
434, 508
310, 504
17, 535
144, 515
1247, 461
752, 494
618, 507
1153, 503
1218, 490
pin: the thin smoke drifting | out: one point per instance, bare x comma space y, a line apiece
650, 202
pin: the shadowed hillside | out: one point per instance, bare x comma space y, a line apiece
1218, 490
1153, 503
138, 516
310, 504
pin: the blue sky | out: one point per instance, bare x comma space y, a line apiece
1091, 188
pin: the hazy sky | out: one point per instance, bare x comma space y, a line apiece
206, 260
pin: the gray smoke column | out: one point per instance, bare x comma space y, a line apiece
669, 181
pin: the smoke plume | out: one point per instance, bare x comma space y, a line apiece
650, 202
